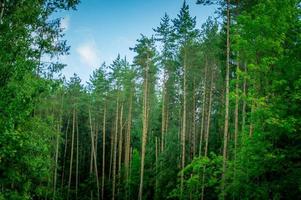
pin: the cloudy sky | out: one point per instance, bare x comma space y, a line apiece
100, 29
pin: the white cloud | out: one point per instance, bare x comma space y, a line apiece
89, 54
65, 22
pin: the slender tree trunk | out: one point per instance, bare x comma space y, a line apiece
244, 99
96, 138
57, 145
236, 113
184, 124
226, 102
130, 171
236, 104
120, 147
207, 131
2, 11
251, 119
91, 152
77, 146
115, 150
145, 128
103, 153
71, 157
94, 155
128, 138
56, 156
203, 111
111, 150
65, 152
156, 160
163, 123
193, 138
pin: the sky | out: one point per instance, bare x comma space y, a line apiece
99, 30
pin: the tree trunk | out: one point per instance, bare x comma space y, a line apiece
103, 152
156, 160
71, 157
145, 128
184, 123
2, 11
207, 131
77, 146
120, 147
56, 156
94, 155
128, 138
111, 150
65, 152
203, 111
236, 113
244, 99
193, 137
57, 145
115, 150
163, 123
226, 102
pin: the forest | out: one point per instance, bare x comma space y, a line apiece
201, 113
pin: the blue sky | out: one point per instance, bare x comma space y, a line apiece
100, 29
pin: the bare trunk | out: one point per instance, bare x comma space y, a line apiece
145, 128
128, 138
77, 146
207, 131
184, 124
120, 147
2, 11
115, 150
111, 151
251, 119
236, 113
193, 137
226, 102
103, 153
65, 153
156, 165
71, 157
94, 155
244, 99
56, 156
163, 128
203, 111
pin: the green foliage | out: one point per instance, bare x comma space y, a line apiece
209, 167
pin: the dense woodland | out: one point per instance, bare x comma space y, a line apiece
210, 113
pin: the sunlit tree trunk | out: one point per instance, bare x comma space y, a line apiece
59, 126
77, 146
93, 156
120, 146
145, 126
71, 157
128, 137
203, 110
103, 152
115, 150
193, 137
111, 150
156, 165
65, 152
163, 122
226, 102
207, 131
244, 99
236, 113
2, 11
184, 123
